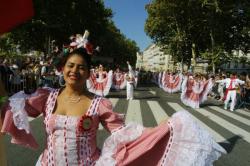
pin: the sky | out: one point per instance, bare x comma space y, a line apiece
129, 16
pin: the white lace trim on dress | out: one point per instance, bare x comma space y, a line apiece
20, 116
17, 104
126, 134
189, 143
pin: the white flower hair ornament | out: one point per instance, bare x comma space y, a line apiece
80, 41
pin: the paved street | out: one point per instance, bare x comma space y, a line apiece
152, 105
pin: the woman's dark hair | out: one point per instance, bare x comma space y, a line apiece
81, 52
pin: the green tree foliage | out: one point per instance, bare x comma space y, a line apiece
59, 19
7, 45
199, 28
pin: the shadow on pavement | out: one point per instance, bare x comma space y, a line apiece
233, 140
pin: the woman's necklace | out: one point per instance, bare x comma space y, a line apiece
73, 99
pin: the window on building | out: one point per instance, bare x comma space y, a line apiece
243, 65
235, 64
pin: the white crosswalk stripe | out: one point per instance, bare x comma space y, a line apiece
134, 112
152, 92
225, 124
158, 112
243, 112
114, 101
231, 115
216, 135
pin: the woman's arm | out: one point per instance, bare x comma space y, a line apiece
109, 119
15, 116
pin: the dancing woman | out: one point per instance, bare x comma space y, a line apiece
130, 78
195, 90
119, 81
171, 82
100, 82
72, 116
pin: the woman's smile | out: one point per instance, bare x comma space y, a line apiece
74, 76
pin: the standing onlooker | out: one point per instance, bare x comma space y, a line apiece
15, 79
5, 74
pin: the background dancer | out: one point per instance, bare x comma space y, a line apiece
172, 82
100, 82
195, 90
119, 81
130, 82
230, 94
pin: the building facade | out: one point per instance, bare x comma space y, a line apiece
239, 64
153, 59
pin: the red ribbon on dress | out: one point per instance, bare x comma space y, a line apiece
229, 88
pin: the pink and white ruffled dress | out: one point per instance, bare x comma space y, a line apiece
119, 81
180, 141
172, 83
100, 83
195, 92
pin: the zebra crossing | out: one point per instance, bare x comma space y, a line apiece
216, 135
243, 112
134, 113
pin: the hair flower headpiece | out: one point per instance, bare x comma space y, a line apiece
80, 41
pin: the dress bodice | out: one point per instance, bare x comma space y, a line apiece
101, 76
198, 86
68, 143
118, 76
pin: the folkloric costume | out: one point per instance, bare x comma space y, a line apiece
130, 78
119, 81
72, 140
231, 84
194, 92
171, 83
99, 83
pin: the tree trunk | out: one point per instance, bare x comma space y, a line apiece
212, 49
193, 54
213, 64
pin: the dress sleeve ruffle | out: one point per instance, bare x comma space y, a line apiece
15, 115
110, 120
207, 88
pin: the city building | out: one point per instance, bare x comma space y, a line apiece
154, 59
139, 60
239, 63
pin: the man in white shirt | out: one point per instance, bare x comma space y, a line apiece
231, 84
